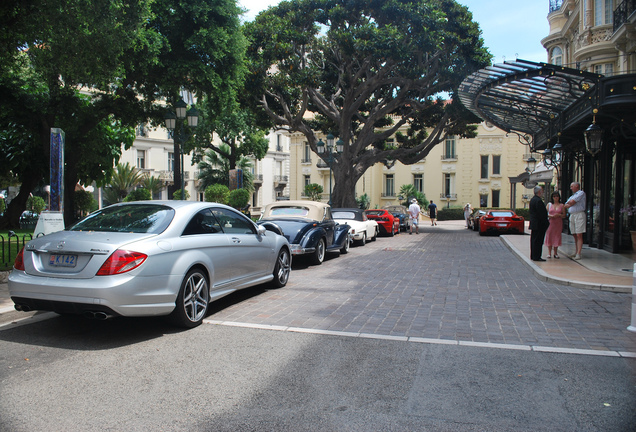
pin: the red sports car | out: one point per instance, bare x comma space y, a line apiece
501, 222
387, 223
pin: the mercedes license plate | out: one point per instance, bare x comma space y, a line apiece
59, 260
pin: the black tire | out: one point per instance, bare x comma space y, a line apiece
364, 239
282, 269
392, 232
192, 300
375, 237
345, 248
318, 256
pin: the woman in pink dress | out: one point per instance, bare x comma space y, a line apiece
556, 213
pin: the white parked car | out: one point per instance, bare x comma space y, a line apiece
362, 229
148, 258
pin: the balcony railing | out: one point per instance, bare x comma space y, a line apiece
281, 179
258, 178
305, 161
443, 196
322, 164
622, 12
449, 157
388, 194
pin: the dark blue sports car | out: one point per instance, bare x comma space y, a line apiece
309, 228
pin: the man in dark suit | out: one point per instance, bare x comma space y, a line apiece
538, 224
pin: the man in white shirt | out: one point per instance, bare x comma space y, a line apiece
414, 215
578, 217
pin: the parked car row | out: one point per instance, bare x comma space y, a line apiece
496, 221
172, 258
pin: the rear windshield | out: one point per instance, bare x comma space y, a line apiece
343, 215
501, 213
289, 211
133, 218
375, 212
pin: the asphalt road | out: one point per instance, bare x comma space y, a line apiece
340, 350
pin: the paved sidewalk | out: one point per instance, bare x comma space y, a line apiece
598, 269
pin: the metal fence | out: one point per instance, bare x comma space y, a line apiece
10, 247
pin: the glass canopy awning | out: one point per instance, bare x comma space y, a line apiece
525, 97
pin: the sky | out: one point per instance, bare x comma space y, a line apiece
511, 29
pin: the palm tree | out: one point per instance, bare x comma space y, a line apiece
153, 184
124, 179
215, 169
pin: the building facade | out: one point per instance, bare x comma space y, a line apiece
579, 109
455, 172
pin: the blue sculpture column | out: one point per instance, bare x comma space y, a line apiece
57, 170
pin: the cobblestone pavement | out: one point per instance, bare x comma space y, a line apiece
447, 283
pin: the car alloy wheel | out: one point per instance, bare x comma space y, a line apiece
192, 300
319, 254
282, 269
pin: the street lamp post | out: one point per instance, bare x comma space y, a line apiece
179, 135
331, 150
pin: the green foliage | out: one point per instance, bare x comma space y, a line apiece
453, 213
239, 198
124, 179
217, 193
408, 192
140, 194
84, 202
177, 195
524, 212
363, 202
153, 184
215, 169
3, 205
134, 55
313, 191
364, 65
35, 204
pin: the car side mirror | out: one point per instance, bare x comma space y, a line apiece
261, 230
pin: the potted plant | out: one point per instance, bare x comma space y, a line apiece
629, 215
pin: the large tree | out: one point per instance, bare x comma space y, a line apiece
365, 70
96, 68
236, 127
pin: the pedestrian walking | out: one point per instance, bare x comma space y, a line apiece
538, 224
432, 213
467, 211
414, 215
556, 213
575, 205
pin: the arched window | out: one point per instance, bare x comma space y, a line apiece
557, 56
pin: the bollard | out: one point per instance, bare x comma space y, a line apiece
632, 327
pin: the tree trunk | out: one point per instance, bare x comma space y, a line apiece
11, 218
344, 188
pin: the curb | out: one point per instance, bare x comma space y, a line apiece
546, 277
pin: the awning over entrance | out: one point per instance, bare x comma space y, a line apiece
524, 97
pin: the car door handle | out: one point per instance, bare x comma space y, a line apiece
235, 240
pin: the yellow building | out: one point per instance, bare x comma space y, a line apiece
456, 172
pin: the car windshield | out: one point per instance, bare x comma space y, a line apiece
501, 213
343, 215
133, 218
290, 211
